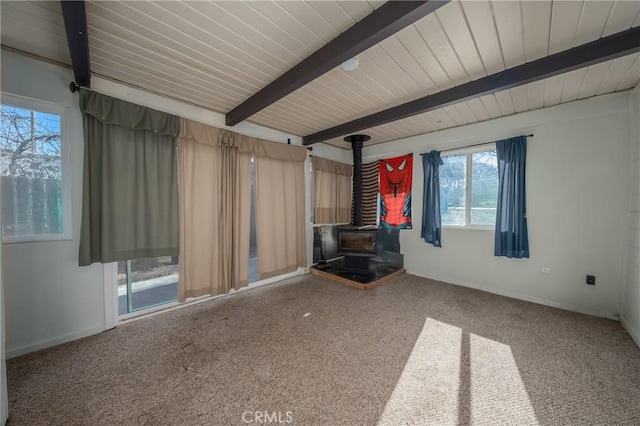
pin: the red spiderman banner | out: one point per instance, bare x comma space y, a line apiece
395, 192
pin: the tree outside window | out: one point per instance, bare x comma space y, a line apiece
31, 166
465, 201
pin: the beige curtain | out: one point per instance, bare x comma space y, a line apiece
331, 191
215, 185
280, 225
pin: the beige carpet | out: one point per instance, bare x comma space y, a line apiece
412, 351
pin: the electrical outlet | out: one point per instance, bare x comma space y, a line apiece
546, 270
591, 279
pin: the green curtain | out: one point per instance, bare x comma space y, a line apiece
130, 188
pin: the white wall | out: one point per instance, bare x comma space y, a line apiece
631, 296
49, 299
576, 204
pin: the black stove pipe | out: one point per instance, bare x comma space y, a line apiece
356, 145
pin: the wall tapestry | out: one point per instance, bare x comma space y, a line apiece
395, 192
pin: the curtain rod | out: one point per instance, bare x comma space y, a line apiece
471, 146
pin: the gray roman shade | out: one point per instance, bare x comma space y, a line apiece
130, 188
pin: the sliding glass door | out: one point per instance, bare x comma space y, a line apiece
253, 246
146, 282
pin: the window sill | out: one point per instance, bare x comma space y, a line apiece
36, 239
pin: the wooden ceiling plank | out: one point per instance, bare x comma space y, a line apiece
251, 27
621, 17
505, 102
416, 46
457, 30
536, 94
25, 11
198, 21
164, 64
122, 74
443, 118
380, 24
437, 40
465, 112
631, 78
308, 107
281, 122
14, 28
333, 14
150, 51
396, 50
491, 105
478, 108
593, 79
520, 97
310, 18
75, 22
508, 17
243, 12
358, 81
565, 16
113, 19
536, 23
393, 70
483, 29
573, 60
572, 85
356, 9
281, 18
619, 68
381, 79
435, 119
592, 22
150, 69
28, 38
553, 90
427, 125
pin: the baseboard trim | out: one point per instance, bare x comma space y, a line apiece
635, 335
519, 296
36, 346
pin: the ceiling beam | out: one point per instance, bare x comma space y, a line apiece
383, 22
75, 24
604, 49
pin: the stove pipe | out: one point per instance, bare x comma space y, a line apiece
356, 145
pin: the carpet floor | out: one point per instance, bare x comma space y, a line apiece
309, 351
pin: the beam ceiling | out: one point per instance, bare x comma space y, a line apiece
383, 22
604, 49
75, 22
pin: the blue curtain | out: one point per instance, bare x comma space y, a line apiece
511, 218
431, 220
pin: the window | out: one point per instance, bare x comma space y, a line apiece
469, 189
33, 163
146, 282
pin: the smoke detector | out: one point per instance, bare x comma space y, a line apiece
350, 64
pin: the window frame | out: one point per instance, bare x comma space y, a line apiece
65, 164
468, 153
